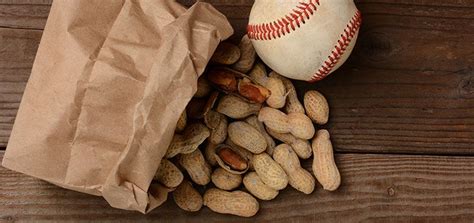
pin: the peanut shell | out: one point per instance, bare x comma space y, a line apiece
196, 166
248, 55
236, 203
293, 104
193, 136
270, 171
246, 136
168, 174
257, 188
226, 54
210, 153
203, 88
274, 119
278, 95
231, 160
298, 178
259, 74
316, 107
241, 151
236, 108
223, 79
253, 92
187, 198
301, 126
301, 147
253, 121
324, 166
181, 124
225, 180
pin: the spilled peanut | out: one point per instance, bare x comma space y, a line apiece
257, 188
196, 166
246, 136
225, 180
301, 147
226, 54
187, 198
236, 108
324, 166
297, 124
270, 171
193, 136
236, 203
298, 178
248, 55
168, 174
316, 107
253, 121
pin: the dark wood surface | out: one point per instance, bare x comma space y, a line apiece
407, 88
407, 92
376, 188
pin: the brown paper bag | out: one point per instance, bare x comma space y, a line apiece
109, 83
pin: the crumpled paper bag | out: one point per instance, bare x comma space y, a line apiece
108, 85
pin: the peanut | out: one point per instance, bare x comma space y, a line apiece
253, 121
168, 174
181, 124
259, 74
324, 166
316, 107
199, 107
278, 95
246, 136
301, 126
203, 88
274, 119
223, 79
297, 124
193, 136
248, 55
226, 54
187, 198
236, 203
298, 178
210, 153
195, 107
225, 180
196, 166
236, 108
257, 188
270, 171
301, 147
231, 160
293, 104
217, 122
253, 92
241, 151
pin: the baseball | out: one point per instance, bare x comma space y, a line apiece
304, 39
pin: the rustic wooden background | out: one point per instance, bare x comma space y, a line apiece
402, 121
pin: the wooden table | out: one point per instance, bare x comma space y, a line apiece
402, 122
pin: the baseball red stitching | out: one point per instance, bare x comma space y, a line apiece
284, 25
339, 48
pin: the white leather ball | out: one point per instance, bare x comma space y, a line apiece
304, 39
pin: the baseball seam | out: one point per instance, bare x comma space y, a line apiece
284, 25
346, 37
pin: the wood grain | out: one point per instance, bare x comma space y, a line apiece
407, 88
375, 188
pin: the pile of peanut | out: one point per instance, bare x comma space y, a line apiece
244, 127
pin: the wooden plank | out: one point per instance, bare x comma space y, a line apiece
375, 188
407, 88
18, 16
